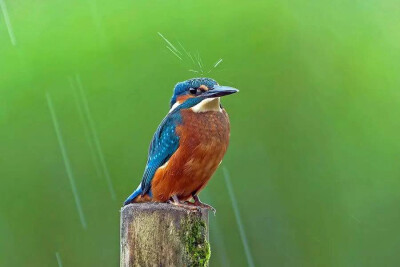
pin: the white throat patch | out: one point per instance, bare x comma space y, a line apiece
177, 103
209, 104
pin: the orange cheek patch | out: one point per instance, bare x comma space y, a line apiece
183, 98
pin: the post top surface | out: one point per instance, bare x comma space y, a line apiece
153, 206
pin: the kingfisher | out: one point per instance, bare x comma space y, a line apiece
188, 145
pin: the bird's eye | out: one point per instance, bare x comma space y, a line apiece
192, 91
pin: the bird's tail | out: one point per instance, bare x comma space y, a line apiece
134, 195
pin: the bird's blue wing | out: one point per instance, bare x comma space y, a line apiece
164, 144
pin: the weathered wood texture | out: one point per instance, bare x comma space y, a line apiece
160, 234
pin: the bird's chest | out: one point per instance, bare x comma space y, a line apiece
208, 130
204, 139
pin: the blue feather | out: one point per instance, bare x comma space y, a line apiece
164, 144
135, 193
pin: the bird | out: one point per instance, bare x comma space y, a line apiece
187, 147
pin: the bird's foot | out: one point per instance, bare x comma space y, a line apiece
200, 204
175, 201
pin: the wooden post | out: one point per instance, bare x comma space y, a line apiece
161, 234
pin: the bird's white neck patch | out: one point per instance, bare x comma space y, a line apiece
209, 104
177, 103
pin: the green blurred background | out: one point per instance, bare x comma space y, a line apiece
314, 155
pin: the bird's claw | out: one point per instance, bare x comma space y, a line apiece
196, 205
200, 205
209, 207
182, 205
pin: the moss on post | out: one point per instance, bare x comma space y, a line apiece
159, 234
196, 243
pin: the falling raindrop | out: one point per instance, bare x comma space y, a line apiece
58, 257
66, 161
169, 43
235, 206
95, 137
8, 22
173, 52
85, 128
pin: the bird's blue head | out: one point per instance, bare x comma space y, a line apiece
198, 89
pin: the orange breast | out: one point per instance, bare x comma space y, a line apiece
204, 139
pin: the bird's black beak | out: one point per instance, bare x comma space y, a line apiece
218, 91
